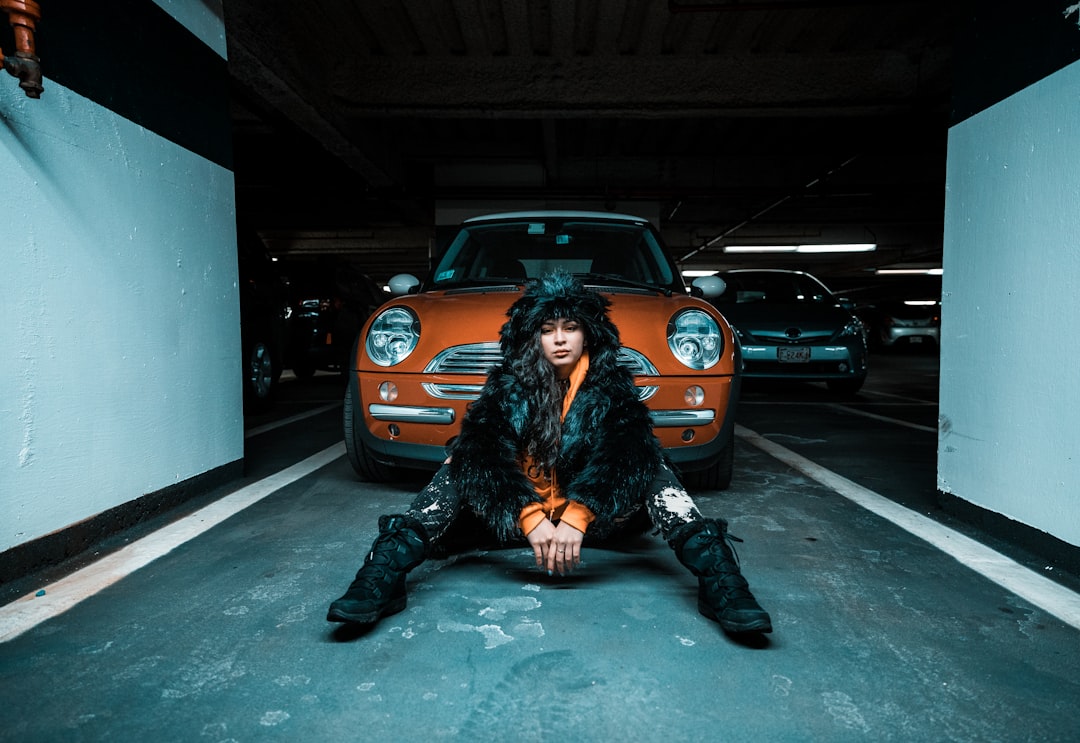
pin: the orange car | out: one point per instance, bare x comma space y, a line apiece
423, 356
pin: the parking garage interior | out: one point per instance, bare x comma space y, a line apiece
168, 550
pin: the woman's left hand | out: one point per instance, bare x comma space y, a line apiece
565, 552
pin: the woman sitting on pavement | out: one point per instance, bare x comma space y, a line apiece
558, 446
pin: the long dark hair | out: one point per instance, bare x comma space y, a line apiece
557, 295
545, 393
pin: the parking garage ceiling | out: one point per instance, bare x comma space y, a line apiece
360, 127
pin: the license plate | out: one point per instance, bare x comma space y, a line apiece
792, 355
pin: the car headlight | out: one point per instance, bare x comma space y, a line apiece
694, 338
853, 328
393, 336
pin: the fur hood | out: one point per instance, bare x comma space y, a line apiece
607, 453
559, 295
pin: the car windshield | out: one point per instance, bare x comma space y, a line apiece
620, 253
773, 288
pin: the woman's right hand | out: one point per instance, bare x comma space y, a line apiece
557, 548
541, 538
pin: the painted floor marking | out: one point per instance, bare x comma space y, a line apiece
898, 397
852, 403
30, 610
1049, 596
291, 419
886, 419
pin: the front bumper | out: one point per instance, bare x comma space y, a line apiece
826, 361
417, 436
917, 335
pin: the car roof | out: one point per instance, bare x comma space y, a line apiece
765, 270
558, 214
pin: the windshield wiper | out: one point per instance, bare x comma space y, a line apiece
486, 281
620, 281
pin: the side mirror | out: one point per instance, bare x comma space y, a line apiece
403, 283
710, 287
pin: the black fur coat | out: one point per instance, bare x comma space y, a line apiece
607, 455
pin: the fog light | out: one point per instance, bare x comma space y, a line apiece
694, 395
393, 430
688, 435
388, 392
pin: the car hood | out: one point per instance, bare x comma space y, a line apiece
787, 321
453, 318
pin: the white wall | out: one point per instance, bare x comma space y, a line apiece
204, 18
120, 371
1010, 361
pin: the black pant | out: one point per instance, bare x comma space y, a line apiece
667, 504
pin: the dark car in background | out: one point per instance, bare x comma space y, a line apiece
900, 323
331, 300
264, 318
790, 326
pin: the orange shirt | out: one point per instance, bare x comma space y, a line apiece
552, 505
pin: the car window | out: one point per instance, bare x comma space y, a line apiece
517, 250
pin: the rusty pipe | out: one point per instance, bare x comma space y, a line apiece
24, 63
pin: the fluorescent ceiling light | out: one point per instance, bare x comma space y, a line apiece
831, 248
908, 271
693, 273
920, 302
760, 248
841, 248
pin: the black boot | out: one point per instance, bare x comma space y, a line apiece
723, 593
379, 587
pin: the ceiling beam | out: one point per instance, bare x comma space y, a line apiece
851, 83
263, 83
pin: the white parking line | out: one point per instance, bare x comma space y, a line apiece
914, 400
1051, 597
850, 408
32, 609
853, 403
875, 416
291, 419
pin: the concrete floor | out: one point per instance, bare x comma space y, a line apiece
878, 635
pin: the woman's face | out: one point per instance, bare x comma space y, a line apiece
563, 342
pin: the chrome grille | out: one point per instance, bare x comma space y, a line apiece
636, 362
474, 358
480, 358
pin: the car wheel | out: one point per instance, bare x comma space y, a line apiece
718, 475
846, 386
304, 370
259, 376
360, 457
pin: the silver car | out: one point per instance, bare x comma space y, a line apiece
790, 326
898, 323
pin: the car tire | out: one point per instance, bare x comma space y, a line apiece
360, 457
304, 371
845, 386
718, 475
260, 377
